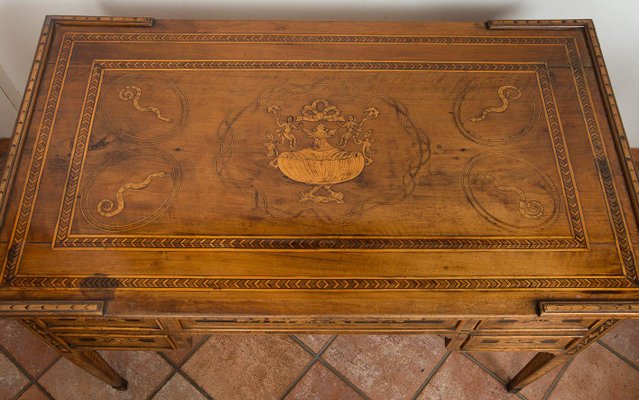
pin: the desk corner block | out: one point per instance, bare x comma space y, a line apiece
53, 308
595, 309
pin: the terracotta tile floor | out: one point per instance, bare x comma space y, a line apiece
309, 367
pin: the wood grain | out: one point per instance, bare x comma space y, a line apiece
282, 176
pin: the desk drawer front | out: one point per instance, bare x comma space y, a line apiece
517, 343
296, 325
510, 324
118, 342
128, 324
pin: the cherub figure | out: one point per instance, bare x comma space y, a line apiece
367, 144
352, 130
271, 148
285, 129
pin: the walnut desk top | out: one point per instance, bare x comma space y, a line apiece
318, 176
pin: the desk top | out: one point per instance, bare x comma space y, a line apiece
318, 168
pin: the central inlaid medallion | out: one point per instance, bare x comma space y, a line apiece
306, 151
321, 165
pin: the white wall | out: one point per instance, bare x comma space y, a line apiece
616, 20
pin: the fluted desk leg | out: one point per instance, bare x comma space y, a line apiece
536, 368
92, 362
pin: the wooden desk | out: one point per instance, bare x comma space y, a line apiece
170, 178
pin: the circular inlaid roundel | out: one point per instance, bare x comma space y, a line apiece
497, 111
130, 189
143, 108
510, 192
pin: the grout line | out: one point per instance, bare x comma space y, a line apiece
557, 378
33, 380
309, 350
309, 365
167, 359
343, 378
195, 385
491, 373
431, 374
44, 391
178, 367
164, 381
22, 391
195, 348
36, 380
334, 370
619, 355
186, 358
303, 345
20, 368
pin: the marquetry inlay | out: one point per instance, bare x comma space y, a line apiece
330, 154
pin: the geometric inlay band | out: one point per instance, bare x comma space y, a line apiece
64, 238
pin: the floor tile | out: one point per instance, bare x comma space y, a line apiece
507, 364
624, 339
33, 393
504, 364
320, 383
144, 370
32, 352
538, 389
386, 367
247, 366
314, 342
596, 373
460, 378
178, 388
178, 356
11, 379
